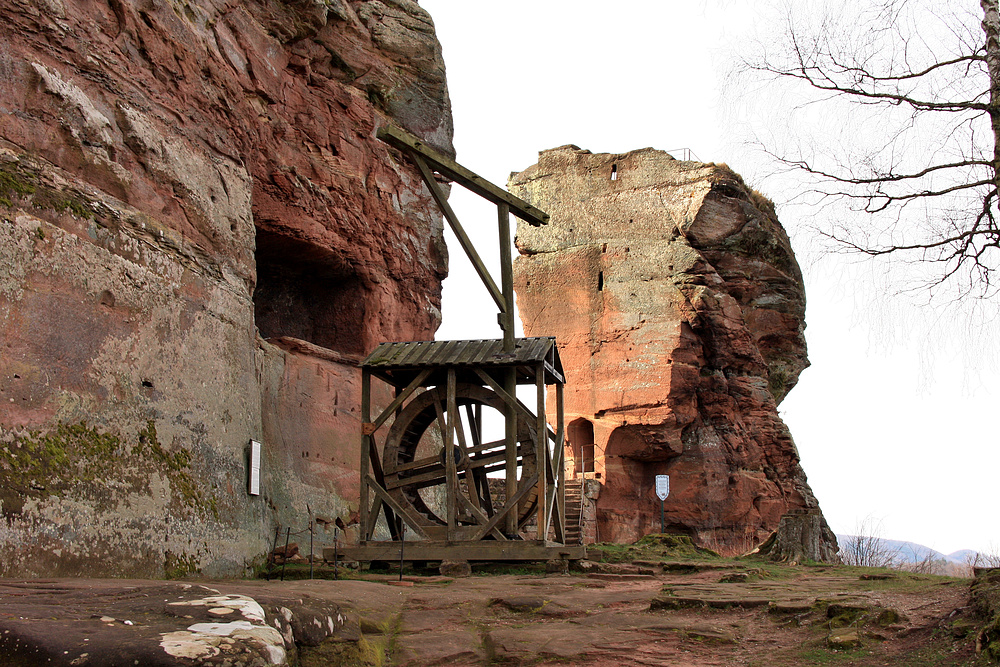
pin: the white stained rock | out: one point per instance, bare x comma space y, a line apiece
202, 640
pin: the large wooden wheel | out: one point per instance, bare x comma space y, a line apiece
413, 458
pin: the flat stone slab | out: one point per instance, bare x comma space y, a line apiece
618, 577
79, 622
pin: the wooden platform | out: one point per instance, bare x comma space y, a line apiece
513, 550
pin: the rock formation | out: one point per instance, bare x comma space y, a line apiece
679, 310
199, 238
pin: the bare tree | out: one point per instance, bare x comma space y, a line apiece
903, 100
989, 559
867, 547
927, 563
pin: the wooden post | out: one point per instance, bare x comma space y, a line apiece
366, 417
542, 453
510, 375
451, 477
506, 278
560, 452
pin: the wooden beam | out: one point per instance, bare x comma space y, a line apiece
432, 460
481, 517
510, 438
384, 496
506, 277
398, 401
377, 472
510, 399
509, 508
445, 166
561, 460
366, 409
483, 550
463, 238
542, 455
470, 480
450, 475
434, 473
476, 419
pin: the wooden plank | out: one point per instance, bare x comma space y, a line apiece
444, 165
556, 375
384, 496
463, 238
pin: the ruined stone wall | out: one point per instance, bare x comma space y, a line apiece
181, 183
679, 311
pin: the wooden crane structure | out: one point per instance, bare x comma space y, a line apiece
430, 473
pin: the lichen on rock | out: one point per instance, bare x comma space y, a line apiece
199, 236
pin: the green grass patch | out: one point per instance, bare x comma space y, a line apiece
651, 547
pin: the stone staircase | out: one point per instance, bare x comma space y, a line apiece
574, 509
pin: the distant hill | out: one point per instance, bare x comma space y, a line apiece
962, 555
911, 552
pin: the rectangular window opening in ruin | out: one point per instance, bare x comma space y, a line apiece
308, 292
614, 172
600, 281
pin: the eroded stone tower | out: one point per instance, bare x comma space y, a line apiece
679, 309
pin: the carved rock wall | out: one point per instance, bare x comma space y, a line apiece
679, 310
181, 183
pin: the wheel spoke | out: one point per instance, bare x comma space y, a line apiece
415, 452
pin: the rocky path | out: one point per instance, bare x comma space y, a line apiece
738, 616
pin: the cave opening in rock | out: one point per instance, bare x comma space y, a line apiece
581, 439
307, 292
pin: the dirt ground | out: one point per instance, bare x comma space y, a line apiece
781, 616
621, 614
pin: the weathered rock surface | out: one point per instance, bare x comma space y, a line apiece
679, 310
179, 185
673, 619
801, 535
92, 622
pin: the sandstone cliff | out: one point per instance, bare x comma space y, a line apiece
679, 310
181, 182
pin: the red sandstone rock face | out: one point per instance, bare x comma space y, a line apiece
179, 183
679, 310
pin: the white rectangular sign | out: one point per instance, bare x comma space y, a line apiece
254, 485
662, 486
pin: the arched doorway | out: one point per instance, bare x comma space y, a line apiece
580, 434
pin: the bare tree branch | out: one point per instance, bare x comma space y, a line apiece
904, 96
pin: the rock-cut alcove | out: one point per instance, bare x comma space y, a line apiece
308, 292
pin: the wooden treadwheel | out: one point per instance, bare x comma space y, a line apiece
414, 465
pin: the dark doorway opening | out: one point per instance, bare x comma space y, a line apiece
307, 292
581, 439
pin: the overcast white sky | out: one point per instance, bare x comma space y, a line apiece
888, 424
